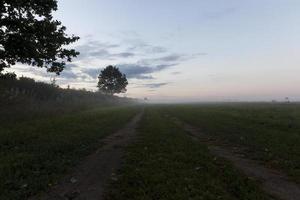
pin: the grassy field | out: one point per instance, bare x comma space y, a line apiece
36, 152
165, 163
270, 131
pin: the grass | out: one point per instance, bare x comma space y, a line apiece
35, 153
270, 131
165, 163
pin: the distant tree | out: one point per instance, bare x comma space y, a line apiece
27, 79
287, 100
112, 81
8, 76
30, 35
53, 82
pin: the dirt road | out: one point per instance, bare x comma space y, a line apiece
273, 182
87, 181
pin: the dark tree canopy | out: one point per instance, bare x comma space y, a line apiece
30, 35
112, 81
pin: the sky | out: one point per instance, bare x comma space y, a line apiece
185, 51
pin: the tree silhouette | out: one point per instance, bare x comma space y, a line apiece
112, 81
30, 35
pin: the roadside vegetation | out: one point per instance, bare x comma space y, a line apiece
35, 153
24, 98
270, 132
165, 163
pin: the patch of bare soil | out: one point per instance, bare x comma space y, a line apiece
273, 182
88, 180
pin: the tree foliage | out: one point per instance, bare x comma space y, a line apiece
30, 35
112, 81
26, 90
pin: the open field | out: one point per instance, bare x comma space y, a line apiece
270, 132
35, 153
164, 161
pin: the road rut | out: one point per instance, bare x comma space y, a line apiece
88, 179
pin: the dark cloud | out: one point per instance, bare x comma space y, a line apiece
100, 50
151, 58
124, 54
104, 54
164, 66
165, 60
171, 58
154, 85
133, 70
141, 71
92, 72
178, 57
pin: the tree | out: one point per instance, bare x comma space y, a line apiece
8, 76
30, 35
112, 81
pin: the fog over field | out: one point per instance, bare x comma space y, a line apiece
177, 51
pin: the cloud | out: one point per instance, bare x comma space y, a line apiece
156, 49
124, 54
145, 48
141, 71
154, 85
100, 50
171, 58
97, 44
100, 53
151, 86
144, 77
132, 71
134, 57
68, 74
136, 71
92, 72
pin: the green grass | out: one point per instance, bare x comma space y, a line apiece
165, 163
270, 131
34, 154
